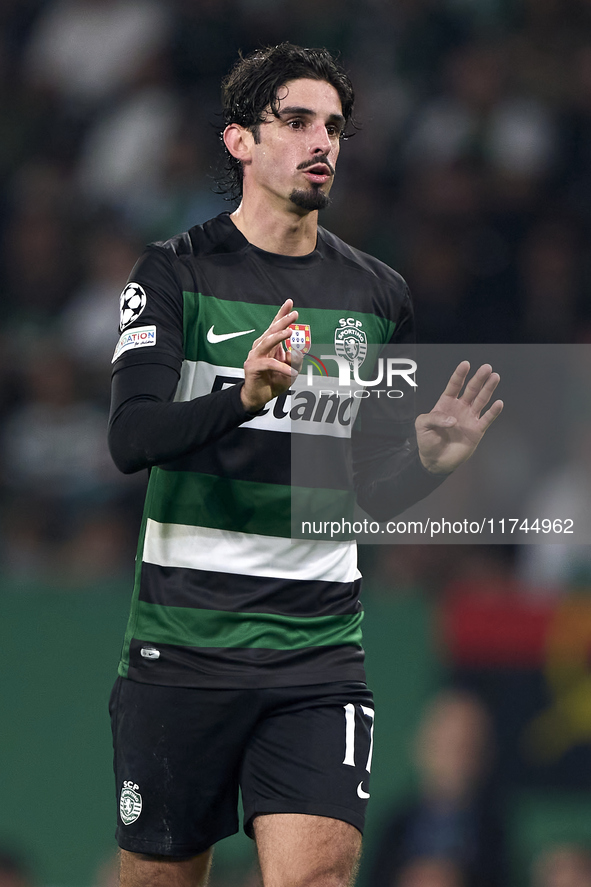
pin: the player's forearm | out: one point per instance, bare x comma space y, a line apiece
144, 434
394, 483
146, 428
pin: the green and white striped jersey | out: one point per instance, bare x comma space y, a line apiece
224, 596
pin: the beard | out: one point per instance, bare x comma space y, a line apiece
309, 199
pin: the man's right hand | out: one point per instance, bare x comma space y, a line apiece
269, 369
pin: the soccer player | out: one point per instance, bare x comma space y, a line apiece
242, 665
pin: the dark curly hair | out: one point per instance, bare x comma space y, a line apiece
253, 84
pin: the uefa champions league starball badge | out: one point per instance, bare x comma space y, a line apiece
131, 303
130, 802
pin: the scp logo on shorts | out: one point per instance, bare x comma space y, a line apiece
130, 802
131, 304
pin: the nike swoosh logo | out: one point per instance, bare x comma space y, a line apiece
360, 793
223, 337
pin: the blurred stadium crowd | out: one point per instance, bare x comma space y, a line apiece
470, 173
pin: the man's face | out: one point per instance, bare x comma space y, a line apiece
294, 160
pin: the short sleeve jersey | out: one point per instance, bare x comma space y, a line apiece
224, 596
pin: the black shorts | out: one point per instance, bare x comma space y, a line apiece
182, 754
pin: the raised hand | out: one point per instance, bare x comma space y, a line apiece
450, 433
269, 369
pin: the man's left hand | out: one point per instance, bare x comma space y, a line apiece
450, 433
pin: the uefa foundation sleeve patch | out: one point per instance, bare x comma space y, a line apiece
142, 337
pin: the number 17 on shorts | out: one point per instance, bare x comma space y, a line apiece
352, 714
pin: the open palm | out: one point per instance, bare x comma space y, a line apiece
449, 434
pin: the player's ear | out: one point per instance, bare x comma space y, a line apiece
238, 141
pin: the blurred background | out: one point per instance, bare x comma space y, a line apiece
470, 173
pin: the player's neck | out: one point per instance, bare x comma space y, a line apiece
275, 230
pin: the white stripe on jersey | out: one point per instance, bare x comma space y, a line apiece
322, 408
226, 551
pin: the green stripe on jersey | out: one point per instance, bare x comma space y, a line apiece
205, 315
188, 627
203, 500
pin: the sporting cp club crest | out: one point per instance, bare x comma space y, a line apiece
130, 803
350, 341
300, 338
